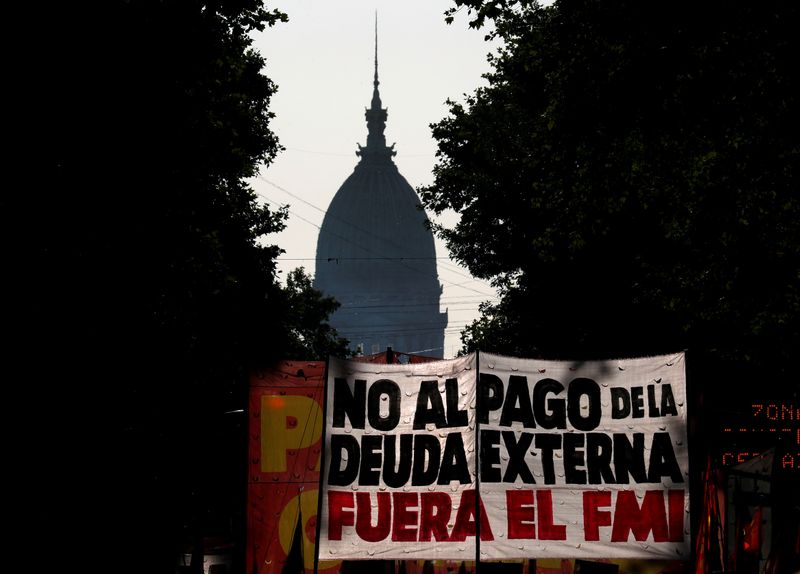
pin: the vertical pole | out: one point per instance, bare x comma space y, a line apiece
322, 453
477, 462
691, 450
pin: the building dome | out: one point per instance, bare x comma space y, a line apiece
376, 256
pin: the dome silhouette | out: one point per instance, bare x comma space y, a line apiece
376, 255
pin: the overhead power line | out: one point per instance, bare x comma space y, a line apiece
453, 268
360, 259
339, 154
346, 239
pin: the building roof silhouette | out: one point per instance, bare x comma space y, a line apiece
375, 253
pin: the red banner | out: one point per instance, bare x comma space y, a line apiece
285, 426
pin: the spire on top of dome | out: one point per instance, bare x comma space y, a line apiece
376, 97
376, 114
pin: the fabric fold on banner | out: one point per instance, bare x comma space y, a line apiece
584, 459
399, 469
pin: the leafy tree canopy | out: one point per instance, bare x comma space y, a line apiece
140, 290
310, 336
629, 178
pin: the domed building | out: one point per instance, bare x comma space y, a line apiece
376, 255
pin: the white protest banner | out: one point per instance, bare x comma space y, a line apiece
573, 460
399, 467
584, 460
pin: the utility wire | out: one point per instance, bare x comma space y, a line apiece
346, 239
454, 269
361, 259
339, 154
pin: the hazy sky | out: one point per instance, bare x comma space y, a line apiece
322, 62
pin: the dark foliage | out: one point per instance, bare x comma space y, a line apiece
138, 290
309, 334
629, 177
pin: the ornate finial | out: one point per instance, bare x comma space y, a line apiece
375, 83
376, 115
376, 97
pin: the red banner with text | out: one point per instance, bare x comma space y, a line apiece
285, 440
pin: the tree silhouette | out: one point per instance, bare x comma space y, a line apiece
628, 177
139, 287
